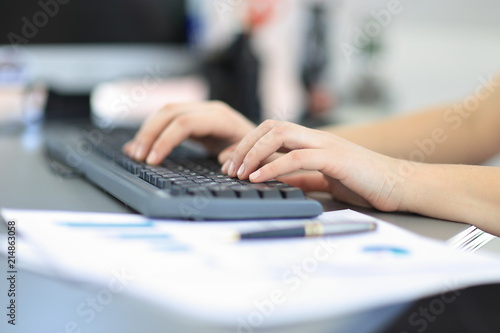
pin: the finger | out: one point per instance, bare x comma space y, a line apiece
303, 159
288, 136
154, 125
225, 166
179, 129
127, 147
150, 130
185, 125
247, 143
224, 157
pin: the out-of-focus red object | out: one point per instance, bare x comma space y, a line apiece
261, 11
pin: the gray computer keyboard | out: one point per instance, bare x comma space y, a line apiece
187, 185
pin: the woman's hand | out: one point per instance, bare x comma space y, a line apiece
350, 172
214, 124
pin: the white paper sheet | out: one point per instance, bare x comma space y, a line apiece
193, 268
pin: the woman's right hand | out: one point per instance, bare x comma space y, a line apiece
213, 123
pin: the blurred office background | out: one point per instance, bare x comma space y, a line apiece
433, 52
308, 61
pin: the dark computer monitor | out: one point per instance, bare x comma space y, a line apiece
74, 44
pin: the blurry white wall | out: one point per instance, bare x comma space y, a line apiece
434, 51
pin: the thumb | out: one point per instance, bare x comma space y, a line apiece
307, 180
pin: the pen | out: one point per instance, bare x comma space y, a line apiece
311, 230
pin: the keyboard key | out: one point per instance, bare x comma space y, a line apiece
167, 173
197, 178
153, 179
267, 192
184, 182
204, 181
172, 175
229, 183
135, 168
176, 190
223, 192
276, 183
292, 193
246, 192
154, 168
145, 174
200, 191
164, 183
175, 179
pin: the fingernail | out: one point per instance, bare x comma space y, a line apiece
241, 170
224, 166
138, 152
152, 157
231, 169
254, 176
131, 150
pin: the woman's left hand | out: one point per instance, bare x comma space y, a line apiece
349, 172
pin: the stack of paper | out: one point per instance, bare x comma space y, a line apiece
194, 268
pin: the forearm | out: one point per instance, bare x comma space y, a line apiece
398, 136
464, 132
462, 193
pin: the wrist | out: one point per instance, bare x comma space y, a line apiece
409, 179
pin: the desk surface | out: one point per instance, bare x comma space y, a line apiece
27, 183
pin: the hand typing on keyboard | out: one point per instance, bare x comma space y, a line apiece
243, 148
364, 173
214, 124
350, 172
